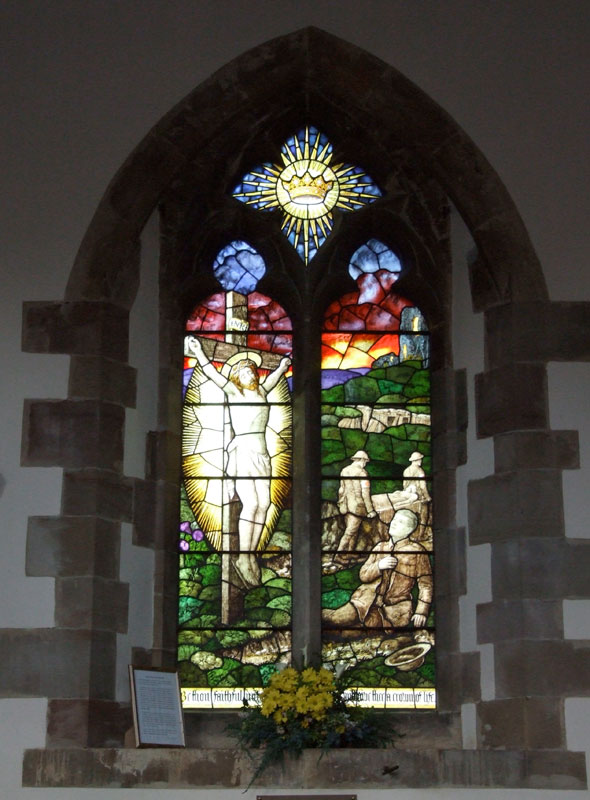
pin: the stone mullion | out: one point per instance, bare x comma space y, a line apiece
306, 542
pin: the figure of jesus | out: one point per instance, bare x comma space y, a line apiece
248, 459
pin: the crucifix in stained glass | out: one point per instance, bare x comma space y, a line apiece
235, 543
306, 187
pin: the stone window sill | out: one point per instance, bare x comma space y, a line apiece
347, 769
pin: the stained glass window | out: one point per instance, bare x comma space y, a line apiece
377, 541
305, 186
376, 615
235, 528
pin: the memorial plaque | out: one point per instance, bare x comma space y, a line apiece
157, 709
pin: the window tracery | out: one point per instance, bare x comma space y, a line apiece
374, 460
306, 187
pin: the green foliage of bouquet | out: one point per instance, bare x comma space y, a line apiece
307, 709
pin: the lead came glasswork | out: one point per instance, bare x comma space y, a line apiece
377, 542
306, 187
238, 267
235, 529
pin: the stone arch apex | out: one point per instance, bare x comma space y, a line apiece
362, 88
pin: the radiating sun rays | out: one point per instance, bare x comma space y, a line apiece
306, 187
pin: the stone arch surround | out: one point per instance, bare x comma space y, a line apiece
518, 509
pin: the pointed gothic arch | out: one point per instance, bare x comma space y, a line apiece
282, 79
182, 165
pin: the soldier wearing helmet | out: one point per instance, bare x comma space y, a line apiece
354, 502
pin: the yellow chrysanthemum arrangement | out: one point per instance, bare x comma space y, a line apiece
308, 695
307, 709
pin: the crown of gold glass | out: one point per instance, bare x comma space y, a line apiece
306, 189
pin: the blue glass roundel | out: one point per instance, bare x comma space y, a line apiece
373, 256
238, 267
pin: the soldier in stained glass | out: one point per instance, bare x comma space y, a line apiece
384, 598
354, 502
377, 618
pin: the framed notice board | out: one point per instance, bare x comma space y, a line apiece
157, 709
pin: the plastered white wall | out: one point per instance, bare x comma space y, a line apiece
83, 81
